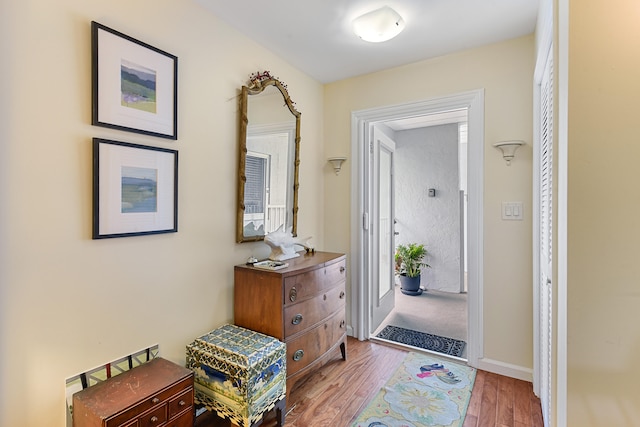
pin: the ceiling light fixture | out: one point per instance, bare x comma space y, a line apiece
378, 25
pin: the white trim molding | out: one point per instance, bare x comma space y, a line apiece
361, 121
562, 70
506, 369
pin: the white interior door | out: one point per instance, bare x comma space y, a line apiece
382, 238
544, 241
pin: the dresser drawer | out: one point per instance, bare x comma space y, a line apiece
305, 349
157, 399
185, 420
336, 272
305, 285
302, 286
154, 418
180, 403
307, 313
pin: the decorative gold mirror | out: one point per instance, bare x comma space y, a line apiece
268, 161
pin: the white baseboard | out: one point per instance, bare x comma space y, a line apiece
349, 331
506, 369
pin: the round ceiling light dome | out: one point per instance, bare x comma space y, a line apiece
378, 25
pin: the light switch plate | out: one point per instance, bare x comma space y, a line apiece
512, 211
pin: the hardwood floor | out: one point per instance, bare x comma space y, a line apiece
499, 401
334, 395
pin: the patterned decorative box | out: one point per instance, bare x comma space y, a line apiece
239, 373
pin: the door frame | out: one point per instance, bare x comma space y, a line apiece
361, 120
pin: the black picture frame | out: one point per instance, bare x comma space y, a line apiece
135, 189
134, 85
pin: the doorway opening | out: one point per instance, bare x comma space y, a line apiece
430, 196
364, 241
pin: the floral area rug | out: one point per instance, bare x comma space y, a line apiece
424, 391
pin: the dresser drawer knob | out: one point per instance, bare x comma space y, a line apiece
342, 295
342, 269
154, 419
342, 324
296, 319
182, 403
297, 356
155, 400
293, 294
324, 297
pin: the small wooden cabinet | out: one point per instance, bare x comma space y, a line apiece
302, 305
158, 393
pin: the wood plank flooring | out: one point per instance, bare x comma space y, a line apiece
334, 395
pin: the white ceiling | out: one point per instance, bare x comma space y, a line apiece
316, 36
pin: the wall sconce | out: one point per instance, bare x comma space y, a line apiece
508, 149
378, 25
336, 163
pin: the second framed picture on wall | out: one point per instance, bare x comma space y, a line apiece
134, 85
135, 189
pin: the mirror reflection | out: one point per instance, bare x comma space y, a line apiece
268, 168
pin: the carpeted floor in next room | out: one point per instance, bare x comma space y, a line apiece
433, 312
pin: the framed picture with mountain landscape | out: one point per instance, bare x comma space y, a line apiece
135, 189
134, 85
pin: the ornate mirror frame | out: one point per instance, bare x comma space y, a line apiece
258, 83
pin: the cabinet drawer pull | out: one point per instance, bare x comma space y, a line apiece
342, 269
182, 403
155, 400
154, 419
342, 295
297, 356
293, 294
324, 297
342, 324
296, 319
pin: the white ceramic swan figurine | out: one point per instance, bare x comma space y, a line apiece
283, 243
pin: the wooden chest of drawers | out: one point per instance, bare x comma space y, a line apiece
158, 393
302, 305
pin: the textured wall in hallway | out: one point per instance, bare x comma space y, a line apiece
428, 158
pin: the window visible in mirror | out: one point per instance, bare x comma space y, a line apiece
269, 179
255, 194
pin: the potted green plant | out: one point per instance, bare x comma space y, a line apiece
409, 263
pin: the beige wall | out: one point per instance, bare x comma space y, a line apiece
505, 72
603, 211
69, 303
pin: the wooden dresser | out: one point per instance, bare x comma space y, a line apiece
302, 305
158, 393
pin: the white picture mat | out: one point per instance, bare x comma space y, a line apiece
111, 50
111, 219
